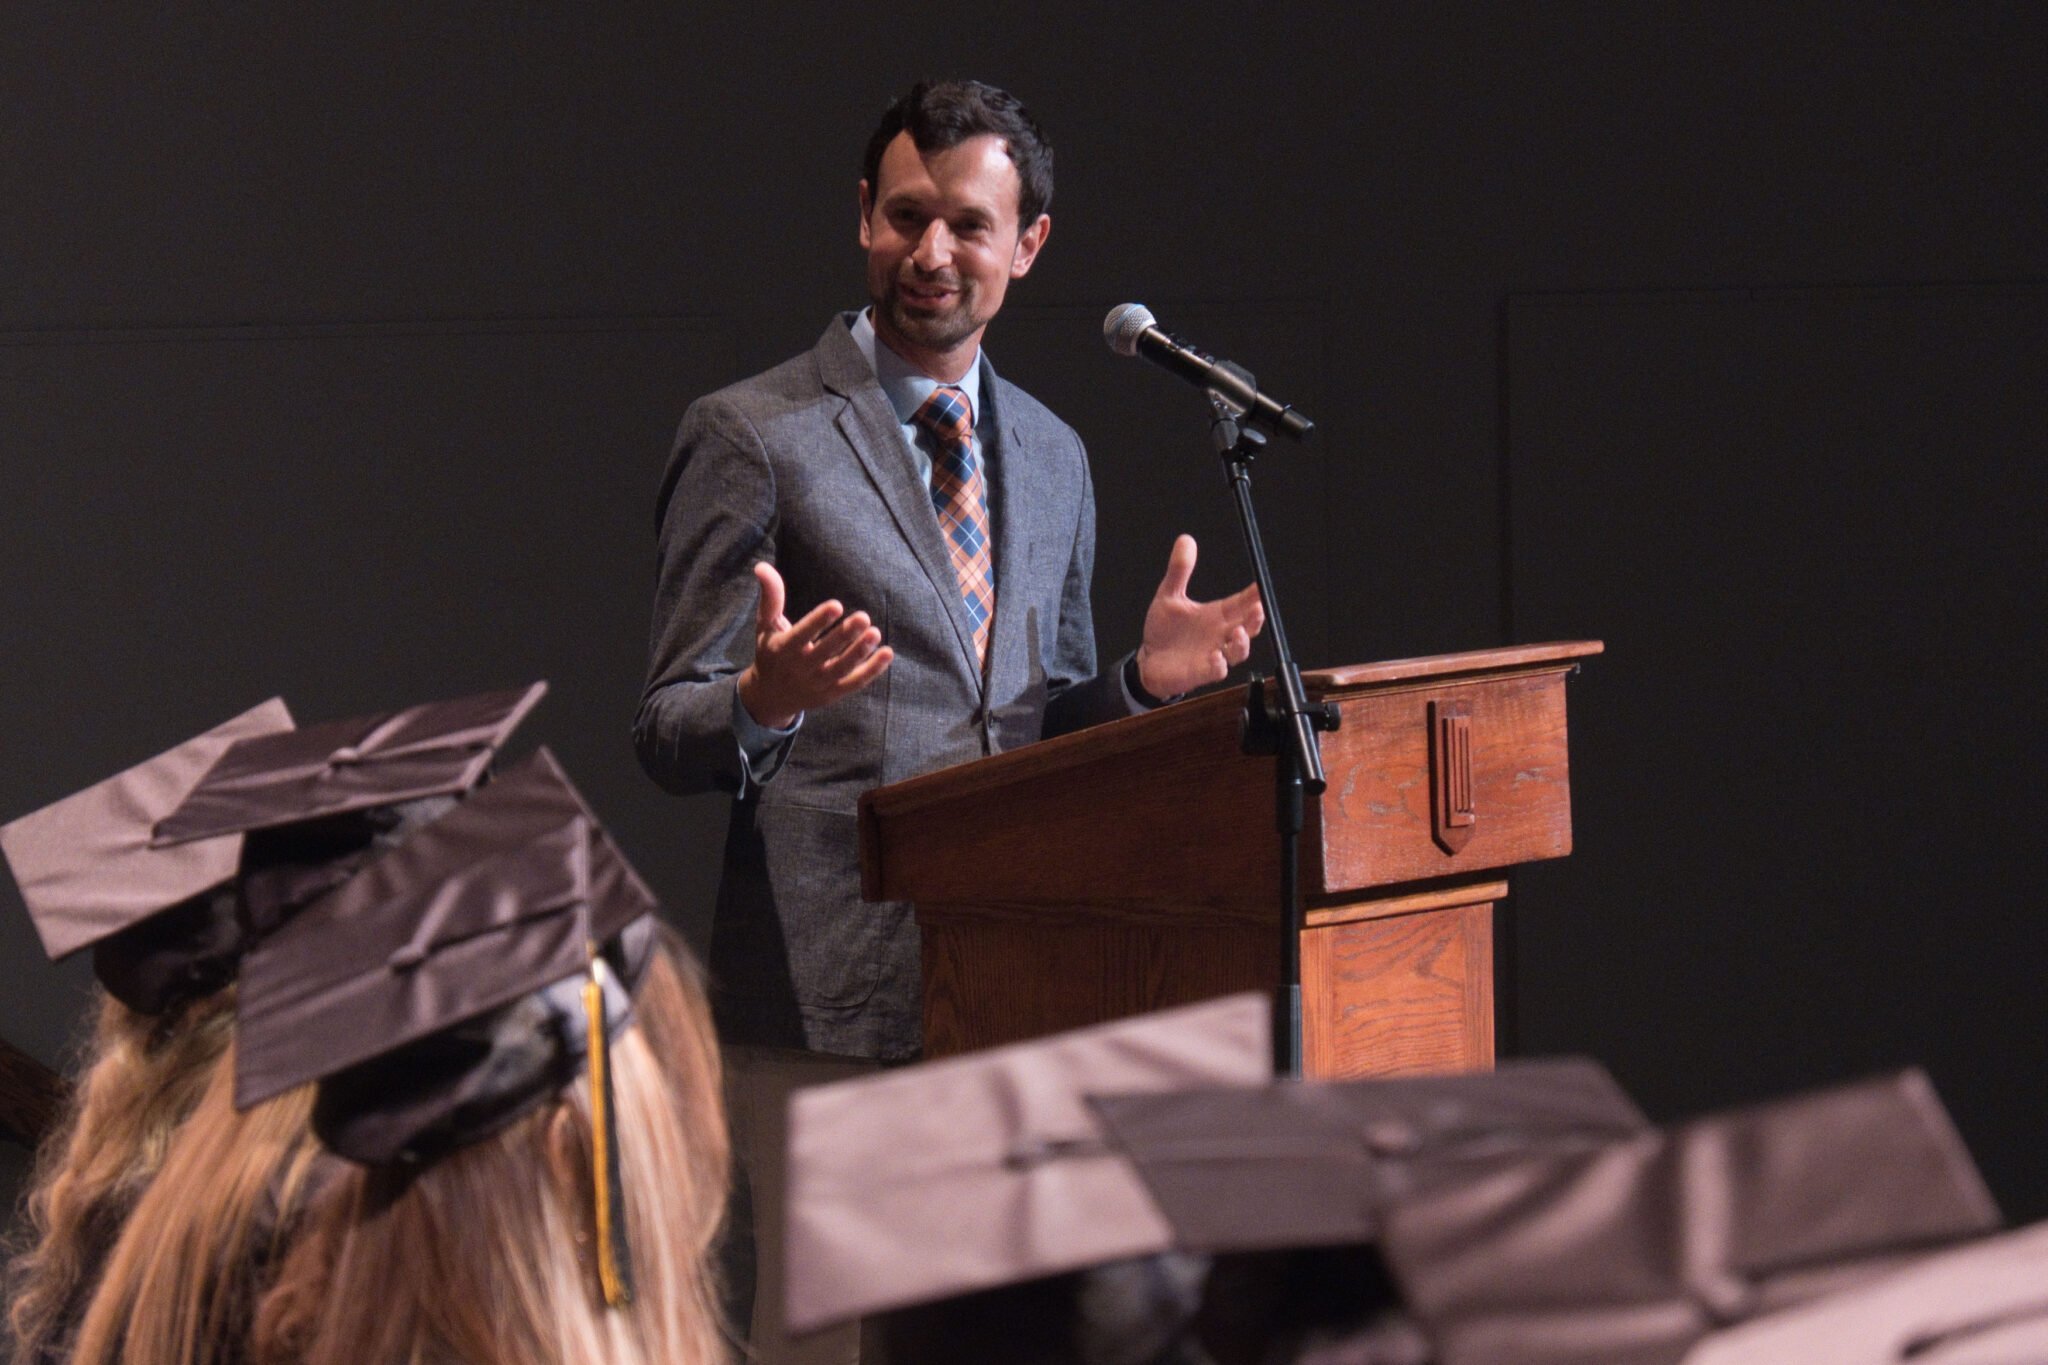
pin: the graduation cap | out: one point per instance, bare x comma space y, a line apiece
298, 776
1281, 1188
1984, 1303
163, 923
319, 803
140, 866
456, 982
1632, 1252
1305, 1164
989, 1169
88, 866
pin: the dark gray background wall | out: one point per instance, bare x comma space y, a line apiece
339, 356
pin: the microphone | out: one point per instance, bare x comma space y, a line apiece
1130, 329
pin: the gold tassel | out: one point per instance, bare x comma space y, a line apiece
614, 1260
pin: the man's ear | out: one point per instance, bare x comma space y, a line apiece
867, 205
1029, 243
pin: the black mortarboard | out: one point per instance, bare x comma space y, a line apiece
284, 815
435, 995
1984, 1303
496, 899
1281, 1187
87, 866
1296, 1164
1632, 1252
986, 1170
433, 749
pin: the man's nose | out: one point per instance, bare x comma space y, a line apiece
934, 247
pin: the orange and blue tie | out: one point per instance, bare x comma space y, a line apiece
960, 496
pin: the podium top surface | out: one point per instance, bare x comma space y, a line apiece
1505, 659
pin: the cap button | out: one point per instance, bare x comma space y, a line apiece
406, 958
1390, 1137
1726, 1298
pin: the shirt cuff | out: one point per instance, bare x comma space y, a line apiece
1135, 694
762, 749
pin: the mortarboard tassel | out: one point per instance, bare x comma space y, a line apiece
614, 1254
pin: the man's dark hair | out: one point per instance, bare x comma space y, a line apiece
943, 114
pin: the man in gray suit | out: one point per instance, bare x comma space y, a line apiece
937, 525
810, 484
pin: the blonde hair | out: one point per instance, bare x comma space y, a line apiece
181, 1282
142, 1075
488, 1257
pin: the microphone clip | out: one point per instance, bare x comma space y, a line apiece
1237, 441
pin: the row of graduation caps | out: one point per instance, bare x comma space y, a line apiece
1139, 1191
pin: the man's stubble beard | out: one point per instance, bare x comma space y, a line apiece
934, 332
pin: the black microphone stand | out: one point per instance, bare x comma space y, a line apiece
1280, 721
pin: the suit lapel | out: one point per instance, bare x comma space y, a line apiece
869, 425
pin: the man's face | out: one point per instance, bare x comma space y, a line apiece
943, 244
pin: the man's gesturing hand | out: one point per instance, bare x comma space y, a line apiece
823, 657
1188, 643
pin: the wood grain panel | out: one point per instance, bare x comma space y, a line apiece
1165, 810
1158, 847
1399, 996
1375, 827
992, 983
1133, 866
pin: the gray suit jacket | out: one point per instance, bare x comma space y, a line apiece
804, 466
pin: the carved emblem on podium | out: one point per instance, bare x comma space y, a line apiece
1453, 810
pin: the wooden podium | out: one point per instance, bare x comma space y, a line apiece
1135, 865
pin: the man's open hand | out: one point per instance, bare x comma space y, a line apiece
823, 657
1189, 643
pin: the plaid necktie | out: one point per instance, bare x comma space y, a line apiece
961, 499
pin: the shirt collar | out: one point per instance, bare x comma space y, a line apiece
905, 384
